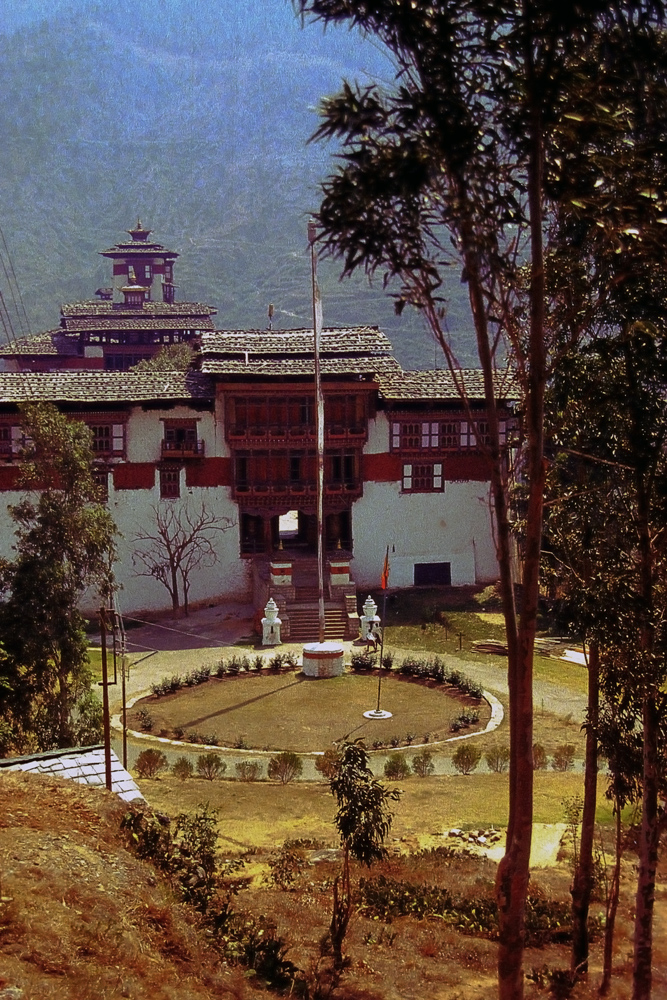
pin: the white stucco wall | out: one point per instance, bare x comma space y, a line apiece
453, 527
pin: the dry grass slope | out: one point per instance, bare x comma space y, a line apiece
80, 916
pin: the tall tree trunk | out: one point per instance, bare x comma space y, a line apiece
340, 917
582, 886
648, 850
514, 869
612, 906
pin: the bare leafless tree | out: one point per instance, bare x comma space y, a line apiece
181, 542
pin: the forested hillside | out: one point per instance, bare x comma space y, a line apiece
195, 117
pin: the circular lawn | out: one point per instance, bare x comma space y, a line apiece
293, 712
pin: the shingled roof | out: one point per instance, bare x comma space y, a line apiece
111, 324
94, 307
440, 384
53, 342
343, 340
99, 386
84, 765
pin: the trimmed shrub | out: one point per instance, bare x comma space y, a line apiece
145, 720
183, 768
327, 764
498, 759
540, 759
468, 717
422, 764
248, 770
150, 763
210, 766
396, 767
362, 661
285, 767
466, 757
563, 759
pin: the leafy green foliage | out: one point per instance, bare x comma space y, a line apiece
328, 763
170, 358
498, 759
563, 758
540, 758
248, 770
363, 817
386, 898
64, 545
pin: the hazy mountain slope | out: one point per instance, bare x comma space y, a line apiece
195, 117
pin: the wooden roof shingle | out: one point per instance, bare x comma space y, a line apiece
99, 386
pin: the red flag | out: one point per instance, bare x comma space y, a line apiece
384, 579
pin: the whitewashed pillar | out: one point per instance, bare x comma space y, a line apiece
369, 618
271, 624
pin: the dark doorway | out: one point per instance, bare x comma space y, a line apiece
428, 574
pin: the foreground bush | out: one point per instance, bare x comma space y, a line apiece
422, 764
387, 898
396, 767
466, 757
498, 759
150, 763
210, 766
183, 768
563, 759
285, 767
248, 770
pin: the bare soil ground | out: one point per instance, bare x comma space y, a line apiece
81, 918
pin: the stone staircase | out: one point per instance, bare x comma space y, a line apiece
299, 611
304, 623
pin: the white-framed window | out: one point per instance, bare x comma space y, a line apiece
423, 477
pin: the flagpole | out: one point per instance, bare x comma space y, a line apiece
377, 712
319, 428
384, 618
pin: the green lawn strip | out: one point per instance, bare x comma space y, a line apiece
265, 814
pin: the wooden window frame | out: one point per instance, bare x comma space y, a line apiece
170, 483
422, 477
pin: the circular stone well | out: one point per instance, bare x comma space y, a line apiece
323, 659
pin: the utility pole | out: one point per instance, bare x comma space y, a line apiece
319, 425
105, 700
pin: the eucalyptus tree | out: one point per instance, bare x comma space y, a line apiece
448, 168
610, 392
64, 545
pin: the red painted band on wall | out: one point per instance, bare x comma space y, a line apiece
134, 476
9, 475
466, 468
383, 468
209, 472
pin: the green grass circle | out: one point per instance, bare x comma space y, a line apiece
293, 712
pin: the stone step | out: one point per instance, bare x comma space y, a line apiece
305, 624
